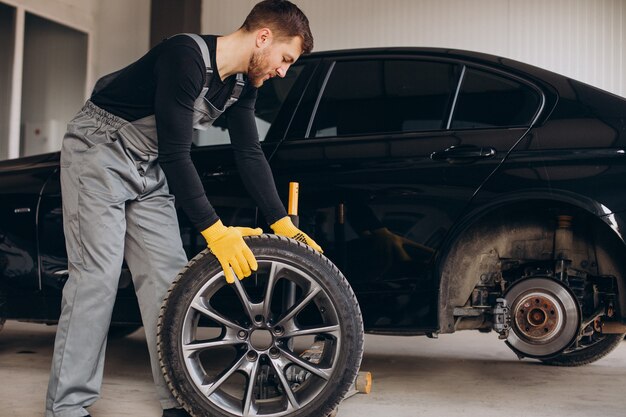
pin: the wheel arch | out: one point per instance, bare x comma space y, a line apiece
529, 217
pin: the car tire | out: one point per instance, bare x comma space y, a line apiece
316, 279
602, 347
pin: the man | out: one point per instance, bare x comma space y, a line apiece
123, 154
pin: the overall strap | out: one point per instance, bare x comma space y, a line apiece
234, 96
240, 82
204, 49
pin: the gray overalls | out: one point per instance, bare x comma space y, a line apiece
116, 206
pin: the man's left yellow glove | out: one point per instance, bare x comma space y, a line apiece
285, 227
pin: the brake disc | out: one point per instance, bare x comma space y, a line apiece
545, 317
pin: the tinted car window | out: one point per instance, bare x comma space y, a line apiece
270, 98
488, 100
381, 96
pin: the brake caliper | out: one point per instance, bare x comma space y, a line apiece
501, 318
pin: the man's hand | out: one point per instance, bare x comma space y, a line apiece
228, 246
285, 227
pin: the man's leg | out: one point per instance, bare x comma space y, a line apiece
94, 226
154, 253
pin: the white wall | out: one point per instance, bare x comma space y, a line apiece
122, 34
583, 39
6, 66
119, 29
118, 32
54, 70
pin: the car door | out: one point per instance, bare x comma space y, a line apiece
388, 151
21, 182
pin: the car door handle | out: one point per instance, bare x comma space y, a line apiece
463, 153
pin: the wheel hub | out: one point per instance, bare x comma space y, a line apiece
261, 340
538, 316
545, 317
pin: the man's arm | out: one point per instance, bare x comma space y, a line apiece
179, 77
255, 171
251, 162
179, 80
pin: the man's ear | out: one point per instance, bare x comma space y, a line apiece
264, 37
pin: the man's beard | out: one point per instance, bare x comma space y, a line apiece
255, 68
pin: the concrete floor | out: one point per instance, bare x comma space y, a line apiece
465, 374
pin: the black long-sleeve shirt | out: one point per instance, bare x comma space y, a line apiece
166, 82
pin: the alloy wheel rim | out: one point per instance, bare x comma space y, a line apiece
264, 346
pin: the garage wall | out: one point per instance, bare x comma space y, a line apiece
53, 82
7, 23
117, 33
583, 39
122, 34
119, 29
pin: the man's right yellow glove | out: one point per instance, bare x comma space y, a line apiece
228, 246
285, 227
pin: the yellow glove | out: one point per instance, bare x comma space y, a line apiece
227, 244
285, 227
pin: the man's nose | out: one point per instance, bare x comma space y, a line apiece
282, 71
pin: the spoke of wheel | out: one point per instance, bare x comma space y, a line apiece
250, 390
209, 312
191, 348
333, 330
293, 311
245, 300
269, 290
280, 371
210, 388
306, 365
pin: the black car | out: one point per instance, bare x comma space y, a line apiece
455, 190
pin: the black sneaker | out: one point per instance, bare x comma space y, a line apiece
175, 412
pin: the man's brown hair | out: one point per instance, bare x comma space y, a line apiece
284, 18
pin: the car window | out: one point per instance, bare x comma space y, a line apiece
270, 98
488, 100
381, 96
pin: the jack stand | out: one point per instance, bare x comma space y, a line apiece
289, 297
